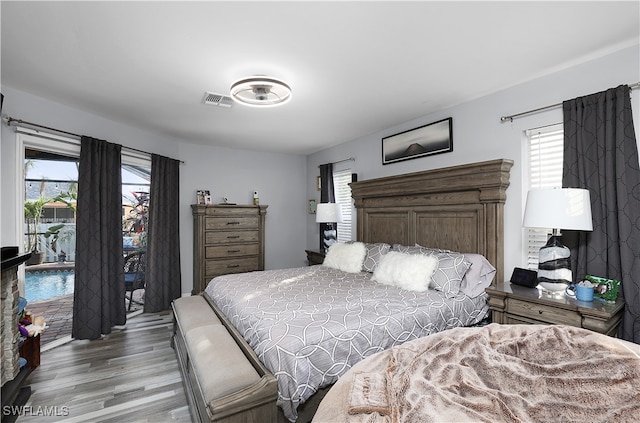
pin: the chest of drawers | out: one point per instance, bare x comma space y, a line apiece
226, 239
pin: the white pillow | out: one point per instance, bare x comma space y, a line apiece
406, 271
346, 257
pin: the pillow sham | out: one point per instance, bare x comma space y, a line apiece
418, 249
406, 271
375, 253
448, 276
478, 277
451, 269
347, 257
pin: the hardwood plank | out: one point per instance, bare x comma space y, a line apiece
130, 375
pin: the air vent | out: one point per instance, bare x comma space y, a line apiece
214, 99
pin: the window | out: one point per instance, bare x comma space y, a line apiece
342, 191
545, 155
50, 174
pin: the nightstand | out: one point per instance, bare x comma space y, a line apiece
511, 304
315, 256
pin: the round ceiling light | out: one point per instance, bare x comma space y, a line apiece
261, 91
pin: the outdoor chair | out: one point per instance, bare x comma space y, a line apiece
134, 268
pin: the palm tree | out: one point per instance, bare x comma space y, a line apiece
33, 213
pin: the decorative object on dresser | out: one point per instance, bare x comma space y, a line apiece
511, 304
315, 256
226, 239
557, 208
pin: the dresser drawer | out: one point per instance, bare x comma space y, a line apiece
221, 251
226, 237
231, 223
224, 266
543, 313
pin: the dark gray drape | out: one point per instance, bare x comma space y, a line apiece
601, 154
327, 195
163, 280
98, 301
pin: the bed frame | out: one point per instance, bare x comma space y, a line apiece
460, 208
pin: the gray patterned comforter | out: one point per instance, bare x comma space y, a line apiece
309, 325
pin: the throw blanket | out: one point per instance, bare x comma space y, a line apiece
506, 373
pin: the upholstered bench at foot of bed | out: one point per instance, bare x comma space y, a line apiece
221, 383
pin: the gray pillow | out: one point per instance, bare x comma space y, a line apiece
374, 255
451, 268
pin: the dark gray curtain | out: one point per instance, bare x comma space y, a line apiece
163, 281
98, 300
327, 195
601, 155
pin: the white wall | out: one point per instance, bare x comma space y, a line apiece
234, 173
479, 135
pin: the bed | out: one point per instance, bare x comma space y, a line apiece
311, 325
507, 373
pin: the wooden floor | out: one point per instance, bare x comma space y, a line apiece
131, 375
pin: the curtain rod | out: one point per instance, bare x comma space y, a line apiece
9, 120
350, 159
553, 106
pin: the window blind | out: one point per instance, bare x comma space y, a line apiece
545, 155
342, 191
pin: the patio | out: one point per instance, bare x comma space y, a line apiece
58, 313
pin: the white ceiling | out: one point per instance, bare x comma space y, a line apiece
355, 68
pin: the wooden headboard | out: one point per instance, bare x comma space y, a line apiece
459, 208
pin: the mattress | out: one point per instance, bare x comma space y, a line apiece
310, 325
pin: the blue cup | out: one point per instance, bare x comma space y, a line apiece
581, 293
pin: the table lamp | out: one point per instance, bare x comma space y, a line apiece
557, 208
329, 213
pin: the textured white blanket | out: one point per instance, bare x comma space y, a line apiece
505, 373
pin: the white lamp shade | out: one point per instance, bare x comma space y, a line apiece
328, 213
558, 208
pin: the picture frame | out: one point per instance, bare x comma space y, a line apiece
427, 140
203, 196
318, 183
311, 207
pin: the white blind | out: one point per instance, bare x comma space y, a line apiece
545, 171
342, 191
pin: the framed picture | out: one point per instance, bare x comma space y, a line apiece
311, 208
203, 196
434, 138
318, 183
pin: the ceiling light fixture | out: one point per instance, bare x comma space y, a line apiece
261, 91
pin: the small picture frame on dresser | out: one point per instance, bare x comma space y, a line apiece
203, 196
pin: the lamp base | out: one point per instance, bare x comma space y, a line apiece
553, 287
554, 266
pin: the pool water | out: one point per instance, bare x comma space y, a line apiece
41, 286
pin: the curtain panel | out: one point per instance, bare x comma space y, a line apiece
601, 155
163, 277
99, 291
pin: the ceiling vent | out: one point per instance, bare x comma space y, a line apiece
214, 99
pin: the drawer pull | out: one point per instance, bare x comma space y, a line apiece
539, 311
233, 223
230, 266
233, 251
233, 236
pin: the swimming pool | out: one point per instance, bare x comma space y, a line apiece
41, 286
